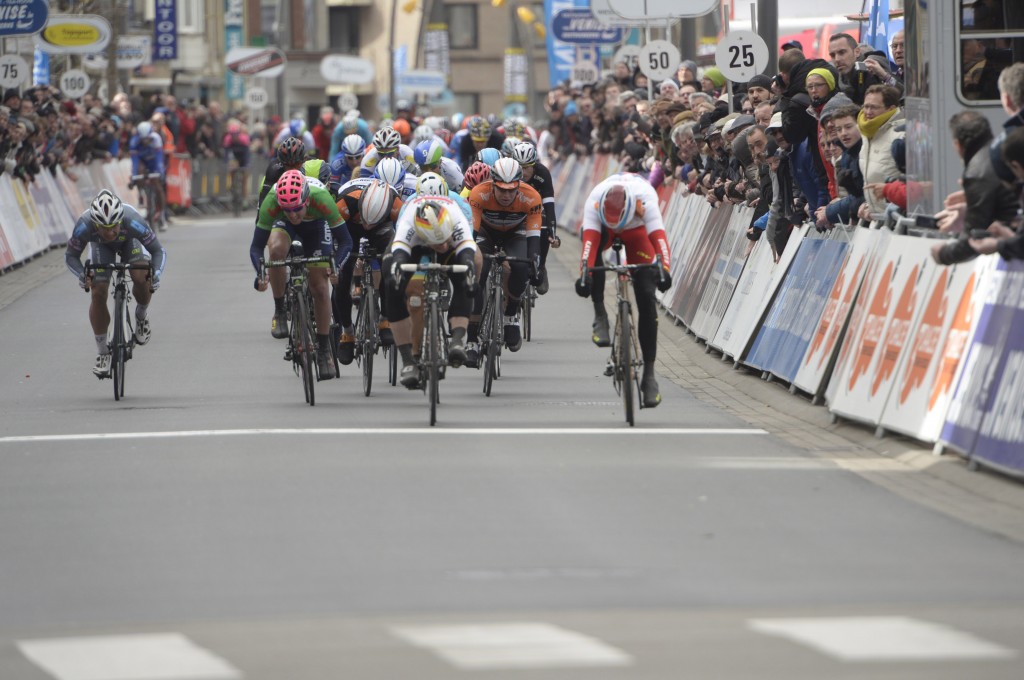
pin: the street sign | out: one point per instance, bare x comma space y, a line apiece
74, 83
13, 71
422, 82
340, 68
657, 11
659, 59
18, 17
74, 34
585, 72
256, 97
132, 51
579, 26
741, 55
347, 101
628, 54
266, 62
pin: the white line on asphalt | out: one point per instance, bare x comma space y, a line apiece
882, 638
169, 656
495, 646
378, 431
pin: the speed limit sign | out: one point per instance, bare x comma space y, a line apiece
256, 97
741, 55
585, 72
13, 71
347, 101
628, 55
659, 59
74, 83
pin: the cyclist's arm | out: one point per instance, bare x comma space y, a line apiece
590, 233
547, 195
76, 246
477, 206
135, 226
260, 237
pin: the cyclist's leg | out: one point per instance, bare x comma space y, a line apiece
401, 324
99, 313
133, 253
519, 275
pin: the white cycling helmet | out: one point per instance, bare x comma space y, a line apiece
391, 171
433, 222
431, 184
375, 203
145, 129
525, 153
423, 133
386, 140
353, 145
107, 210
506, 173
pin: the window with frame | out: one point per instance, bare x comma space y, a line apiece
991, 38
343, 29
462, 27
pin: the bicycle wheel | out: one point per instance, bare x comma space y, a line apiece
306, 350
487, 348
368, 340
432, 356
625, 361
118, 346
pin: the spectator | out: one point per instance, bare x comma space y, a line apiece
1009, 245
323, 131
712, 81
759, 89
849, 177
855, 76
878, 121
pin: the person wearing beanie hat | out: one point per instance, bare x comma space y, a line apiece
759, 89
687, 72
713, 80
821, 83
837, 101
668, 87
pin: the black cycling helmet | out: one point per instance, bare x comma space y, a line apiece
292, 152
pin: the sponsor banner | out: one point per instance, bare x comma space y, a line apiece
40, 67
74, 34
179, 181
561, 56
893, 303
515, 75
751, 287
860, 310
23, 17
706, 321
51, 210
580, 26
687, 298
165, 30
828, 333
980, 417
917, 406
234, 84
685, 227
436, 51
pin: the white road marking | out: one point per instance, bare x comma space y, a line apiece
169, 656
99, 436
882, 638
497, 646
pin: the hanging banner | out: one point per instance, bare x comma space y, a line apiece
165, 31
24, 17
515, 75
436, 49
40, 68
74, 34
234, 84
561, 56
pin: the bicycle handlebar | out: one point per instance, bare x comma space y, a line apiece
433, 266
118, 267
151, 175
624, 268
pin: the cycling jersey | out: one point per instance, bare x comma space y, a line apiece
133, 227
406, 237
372, 157
449, 169
236, 146
147, 154
522, 216
320, 210
277, 168
541, 181
458, 198
349, 126
341, 172
646, 221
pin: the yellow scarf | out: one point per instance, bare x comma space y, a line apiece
869, 128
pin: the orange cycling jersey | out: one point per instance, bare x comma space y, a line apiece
523, 215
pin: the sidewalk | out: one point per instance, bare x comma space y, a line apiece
981, 498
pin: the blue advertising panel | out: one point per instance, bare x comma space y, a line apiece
579, 26
40, 68
561, 56
23, 17
165, 30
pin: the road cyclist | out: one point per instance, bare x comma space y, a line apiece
146, 151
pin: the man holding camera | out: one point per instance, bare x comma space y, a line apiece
855, 73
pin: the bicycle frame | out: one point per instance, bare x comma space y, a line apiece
148, 186
367, 332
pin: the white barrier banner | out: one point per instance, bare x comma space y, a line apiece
932, 364
724, 275
895, 302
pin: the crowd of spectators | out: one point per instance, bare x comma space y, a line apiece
822, 142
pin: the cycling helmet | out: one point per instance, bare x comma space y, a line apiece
296, 127
488, 155
428, 153
423, 133
353, 145
475, 174
106, 210
386, 140
433, 222
431, 184
508, 145
444, 134
616, 206
506, 173
513, 128
350, 124
457, 120
145, 129
234, 127
292, 190
402, 127
291, 152
525, 153
391, 171
479, 128
375, 203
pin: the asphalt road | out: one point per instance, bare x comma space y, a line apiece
212, 525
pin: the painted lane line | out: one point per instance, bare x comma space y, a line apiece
168, 656
539, 431
497, 646
882, 639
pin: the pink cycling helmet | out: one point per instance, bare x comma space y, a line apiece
292, 190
